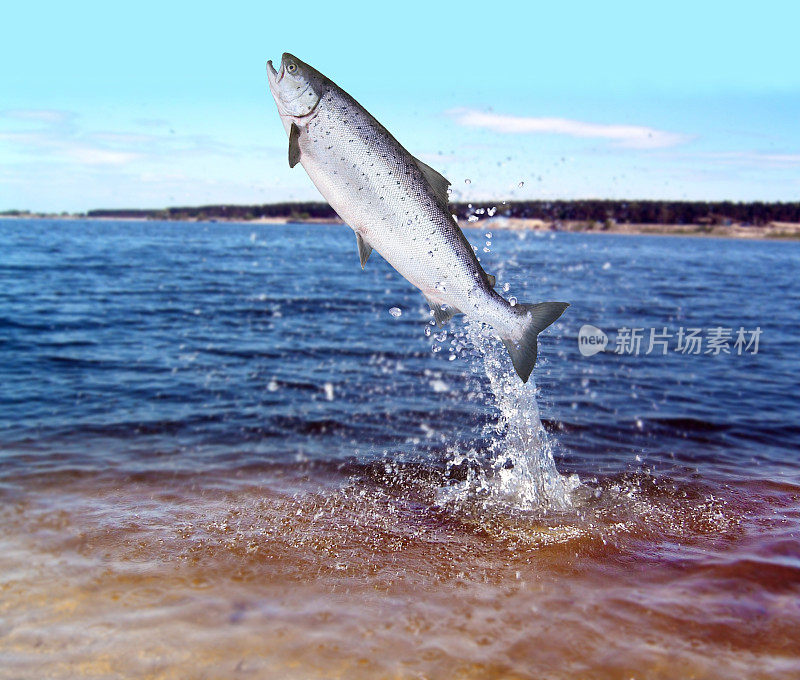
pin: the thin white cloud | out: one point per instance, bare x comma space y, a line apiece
633, 136
56, 136
89, 156
46, 146
37, 115
54, 160
756, 158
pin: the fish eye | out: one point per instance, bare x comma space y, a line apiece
291, 68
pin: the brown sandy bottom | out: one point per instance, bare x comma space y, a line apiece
311, 573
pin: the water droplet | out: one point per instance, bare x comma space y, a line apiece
272, 386
506, 287
521, 184
467, 181
329, 391
439, 385
427, 331
488, 234
395, 311
512, 301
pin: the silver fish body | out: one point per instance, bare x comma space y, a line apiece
397, 205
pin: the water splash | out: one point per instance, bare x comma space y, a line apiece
521, 471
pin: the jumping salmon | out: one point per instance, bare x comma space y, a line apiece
397, 205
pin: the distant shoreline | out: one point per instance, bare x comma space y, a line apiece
770, 231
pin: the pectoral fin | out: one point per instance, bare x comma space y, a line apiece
294, 145
491, 279
438, 183
441, 314
364, 249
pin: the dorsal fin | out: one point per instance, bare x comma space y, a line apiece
294, 145
438, 183
491, 279
364, 249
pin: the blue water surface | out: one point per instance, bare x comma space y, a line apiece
165, 345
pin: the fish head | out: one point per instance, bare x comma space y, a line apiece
295, 86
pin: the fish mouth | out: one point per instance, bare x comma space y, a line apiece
274, 76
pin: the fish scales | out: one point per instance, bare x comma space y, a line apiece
345, 150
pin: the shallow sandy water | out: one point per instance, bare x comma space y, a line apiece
353, 573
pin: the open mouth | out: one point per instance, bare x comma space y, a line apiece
275, 76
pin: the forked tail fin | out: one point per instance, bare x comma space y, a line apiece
537, 317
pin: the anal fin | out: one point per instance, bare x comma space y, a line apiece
364, 249
441, 313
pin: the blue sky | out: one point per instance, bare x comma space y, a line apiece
155, 103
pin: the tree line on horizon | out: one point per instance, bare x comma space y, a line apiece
602, 211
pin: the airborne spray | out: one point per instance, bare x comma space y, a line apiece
521, 470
